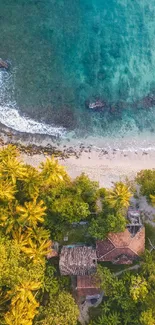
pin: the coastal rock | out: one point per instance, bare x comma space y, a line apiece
149, 101
3, 64
146, 102
96, 106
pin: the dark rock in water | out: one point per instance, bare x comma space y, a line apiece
149, 101
3, 64
65, 117
96, 106
146, 102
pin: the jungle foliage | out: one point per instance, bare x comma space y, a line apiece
146, 180
129, 298
39, 206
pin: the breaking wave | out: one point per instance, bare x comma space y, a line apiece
11, 117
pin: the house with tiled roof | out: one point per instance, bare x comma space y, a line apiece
88, 286
123, 247
77, 260
80, 261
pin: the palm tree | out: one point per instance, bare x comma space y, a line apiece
19, 237
106, 307
21, 313
32, 181
38, 234
36, 251
23, 304
102, 320
114, 318
52, 172
8, 217
7, 191
10, 224
111, 319
23, 292
31, 213
12, 169
120, 196
8, 151
34, 243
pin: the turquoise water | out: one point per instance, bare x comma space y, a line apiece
66, 52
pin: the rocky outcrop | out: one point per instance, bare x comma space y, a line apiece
3, 64
96, 106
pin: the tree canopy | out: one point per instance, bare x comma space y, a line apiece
24, 237
40, 206
146, 180
129, 298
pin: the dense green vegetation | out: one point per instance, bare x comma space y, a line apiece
129, 298
146, 180
31, 290
40, 206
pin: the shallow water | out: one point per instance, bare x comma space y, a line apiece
65, 52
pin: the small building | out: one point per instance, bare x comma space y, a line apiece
134, 215
134, 220
122, 248
77, 260
88, 287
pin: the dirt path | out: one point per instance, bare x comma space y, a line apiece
134, 267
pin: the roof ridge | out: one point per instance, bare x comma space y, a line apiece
108, 252
111, 242
131, 238
136, 235
118, 248
125, 248
133, 251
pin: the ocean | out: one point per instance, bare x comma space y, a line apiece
66, 55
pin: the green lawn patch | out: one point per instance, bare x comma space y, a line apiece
78, 235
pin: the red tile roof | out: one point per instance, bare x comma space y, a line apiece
87, 286
105, 246
121, 248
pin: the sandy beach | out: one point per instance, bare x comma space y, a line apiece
102, 166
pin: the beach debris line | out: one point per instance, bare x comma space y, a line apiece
3, 64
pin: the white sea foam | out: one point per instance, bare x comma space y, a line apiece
137, 147
11, 118
128, 149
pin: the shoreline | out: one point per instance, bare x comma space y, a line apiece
103, 165
104, 168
